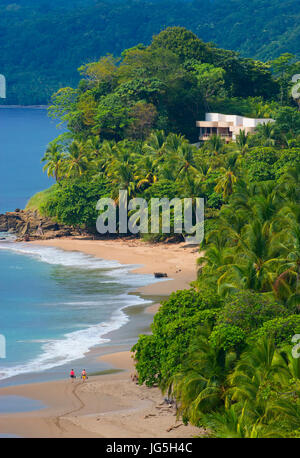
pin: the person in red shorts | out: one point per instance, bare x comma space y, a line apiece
72, 375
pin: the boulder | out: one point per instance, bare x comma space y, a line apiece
160, 275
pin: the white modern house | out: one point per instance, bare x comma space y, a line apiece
227, 126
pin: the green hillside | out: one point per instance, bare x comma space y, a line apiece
43, 43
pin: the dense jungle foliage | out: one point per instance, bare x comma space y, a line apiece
42, 43
222, 349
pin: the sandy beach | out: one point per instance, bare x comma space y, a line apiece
178, 260
104, 406
109, 405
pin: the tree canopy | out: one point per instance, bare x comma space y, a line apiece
42, 43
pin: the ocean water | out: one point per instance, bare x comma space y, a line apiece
54, 305
12, 404
24, 136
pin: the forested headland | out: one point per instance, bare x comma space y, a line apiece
222, 349
43, 43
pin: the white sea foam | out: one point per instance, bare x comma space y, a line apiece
76, 344
119, 273
56, 256
72, 346
62, 351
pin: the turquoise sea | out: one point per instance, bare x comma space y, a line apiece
55, 306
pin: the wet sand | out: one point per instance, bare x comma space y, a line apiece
104, 406
109, 405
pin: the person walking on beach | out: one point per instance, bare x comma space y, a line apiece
72, 375
83, 375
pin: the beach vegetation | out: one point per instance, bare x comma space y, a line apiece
223, 348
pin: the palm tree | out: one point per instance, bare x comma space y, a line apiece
242, 140
155, 144
54, 158
267, 202
235, 423
185, 161
259, 399
217, 256
256, 379
215, 144
76, 160
123, 176
242, 199
256, 244
201, 384
291, 184
122, 168
253, 223
105, 156
292, 366
251, 257
226, 183
174, 142
287, 404
287, 283
266, 134
147, 168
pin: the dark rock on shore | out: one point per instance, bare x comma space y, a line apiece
30, 225
3, 223
160, 275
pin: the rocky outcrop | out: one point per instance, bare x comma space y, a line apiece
30, 225
3, 223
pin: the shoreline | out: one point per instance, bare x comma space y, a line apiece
177, 260
32, 107
109, 405
105, 406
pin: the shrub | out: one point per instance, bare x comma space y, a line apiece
147, 358
249, 310
38, 200
228, 337
162, 188
160, 355
281, 329
259, 163
288, 159
74, 202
